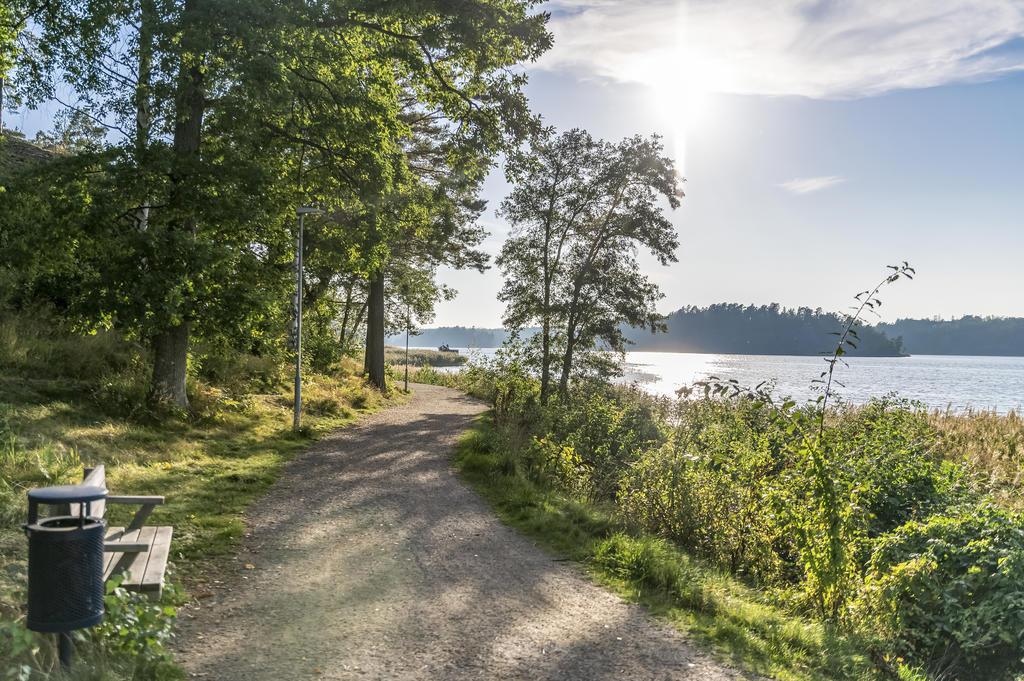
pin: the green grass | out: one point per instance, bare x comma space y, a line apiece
209, 468
737, 623
67, 402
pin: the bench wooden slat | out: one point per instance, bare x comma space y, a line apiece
95, 476
157, 563
144, 500
135, 563
124, 547
113, 559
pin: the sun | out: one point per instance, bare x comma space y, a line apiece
683, 83
685, 110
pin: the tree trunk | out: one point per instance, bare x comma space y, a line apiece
345, 315
169, 365
570, 346
170, 345
545, 357
374, 360
358, 318
147, 19
545, 350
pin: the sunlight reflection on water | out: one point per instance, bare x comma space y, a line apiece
937, 381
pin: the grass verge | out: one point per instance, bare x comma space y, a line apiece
734, 621
210, 468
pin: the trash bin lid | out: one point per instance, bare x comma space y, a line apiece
67, 494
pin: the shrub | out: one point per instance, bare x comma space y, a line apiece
130, 643
238, 372
598, 438
888, 450
710, 488
948, 593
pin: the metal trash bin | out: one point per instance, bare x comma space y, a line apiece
65, 563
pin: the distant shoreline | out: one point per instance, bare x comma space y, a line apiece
734, 329
765, 354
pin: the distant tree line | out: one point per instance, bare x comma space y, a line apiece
765, 330
721, 328
969, 335
773, 330
454, 336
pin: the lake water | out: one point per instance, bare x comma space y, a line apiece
938, 381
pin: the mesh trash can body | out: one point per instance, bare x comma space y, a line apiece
65, 562
65, 574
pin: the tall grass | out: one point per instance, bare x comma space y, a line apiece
419, 357
992, 444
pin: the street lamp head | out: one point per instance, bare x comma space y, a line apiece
307, 210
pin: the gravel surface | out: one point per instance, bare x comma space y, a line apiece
370, 559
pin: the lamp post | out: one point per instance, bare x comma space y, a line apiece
302, 212
408, 324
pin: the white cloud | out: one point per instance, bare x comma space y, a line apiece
816, 48
806, 185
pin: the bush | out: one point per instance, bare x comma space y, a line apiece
131, 642
239, 373
594, 438
948, 593
895, 463
710, 487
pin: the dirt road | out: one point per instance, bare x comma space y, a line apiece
370, 559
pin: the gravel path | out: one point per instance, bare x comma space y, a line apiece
370, 559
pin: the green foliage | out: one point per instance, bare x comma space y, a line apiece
854, 525
705, 602
598, 438
759, 330
130, 644
210, 467
73, 131
709, 487
237, 372
580, 208
221, 119
138, 629
947, 592
968, 335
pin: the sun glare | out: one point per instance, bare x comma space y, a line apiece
682, 86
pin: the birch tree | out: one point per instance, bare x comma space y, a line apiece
580, 210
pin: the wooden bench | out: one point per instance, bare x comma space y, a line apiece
139, 549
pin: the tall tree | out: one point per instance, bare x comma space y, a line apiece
580, 209
211, 102
14, 15
454, 64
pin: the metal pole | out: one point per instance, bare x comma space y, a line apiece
64, 649
407, 346
298, 324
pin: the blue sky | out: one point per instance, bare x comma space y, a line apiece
825, 141
820, 141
